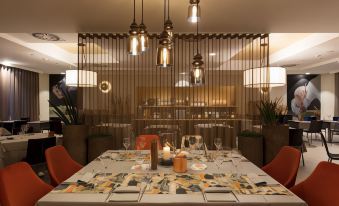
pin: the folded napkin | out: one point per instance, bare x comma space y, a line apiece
128, 189
123, 197
220, 197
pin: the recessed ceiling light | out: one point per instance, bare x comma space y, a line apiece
213, 54
46, 36
62, 72
307, 73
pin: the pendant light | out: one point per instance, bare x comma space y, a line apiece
164, 50
168, 26
194, 11
198, 71
133, 46
143, 34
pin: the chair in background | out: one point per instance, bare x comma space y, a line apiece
19, 186
296, 140
330, 155
186, 138
335, 118
55, 126
315, 128
284, 167
60, 164
143, 142
321, 187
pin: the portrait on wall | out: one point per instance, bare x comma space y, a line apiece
303, 93
57, 83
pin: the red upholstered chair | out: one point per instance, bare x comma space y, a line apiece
60, 164
284, 167
20, 186
143, 142
321, 187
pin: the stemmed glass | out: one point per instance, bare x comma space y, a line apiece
219, 159
126, 142
104, 161
236, 160
198, 143
218, 143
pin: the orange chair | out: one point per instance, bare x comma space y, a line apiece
321, 187
284, 167
20, 186
60, 164
143, 142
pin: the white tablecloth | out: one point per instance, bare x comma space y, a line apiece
14, 150
70, 199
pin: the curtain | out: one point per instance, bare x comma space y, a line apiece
19, 94
336, 105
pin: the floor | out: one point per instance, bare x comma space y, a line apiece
315, 154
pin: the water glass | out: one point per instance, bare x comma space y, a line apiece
126, 143
218, 143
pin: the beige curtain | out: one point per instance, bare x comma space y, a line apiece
19, 94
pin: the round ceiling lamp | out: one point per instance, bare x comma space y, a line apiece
46, 36
198, 71
143, 34
105, 86
81, 78
265, 77
133, 45
194, 11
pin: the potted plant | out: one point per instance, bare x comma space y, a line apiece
251, 146
74, 132
275, 135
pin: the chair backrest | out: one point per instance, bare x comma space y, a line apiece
284, 167
60, 164
35, 153
186, 137
143, 142
321, 187
335, 118
56, 126
296, 137
316, 126
19, 186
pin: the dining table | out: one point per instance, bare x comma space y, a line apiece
13, 148
124, 177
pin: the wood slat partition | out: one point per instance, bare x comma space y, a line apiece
143, 95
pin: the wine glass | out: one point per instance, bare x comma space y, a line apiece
198, 143
218, 143
219, 159
104, 160
126, 142
236, 159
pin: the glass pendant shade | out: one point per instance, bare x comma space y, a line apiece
133, 45
197, 74
194, 11
143, 38
164, 51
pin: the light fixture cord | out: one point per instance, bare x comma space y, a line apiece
168, 5
133, 10
142, 11
164, 11
197, 28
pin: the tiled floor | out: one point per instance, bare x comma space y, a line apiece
314, 155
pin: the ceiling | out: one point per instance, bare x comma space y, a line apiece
298, 52
255, 16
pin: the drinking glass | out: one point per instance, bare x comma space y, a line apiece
199, 143
104, 161
219, 159
126, 143
236, 159
218, 143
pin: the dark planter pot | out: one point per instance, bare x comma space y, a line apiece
275, 137
98, 144
74, 140
252, 149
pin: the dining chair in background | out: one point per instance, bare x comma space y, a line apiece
60, 164
321, 187
19, 186
284, 167
296, 141
314, 128
143, 142
330, 155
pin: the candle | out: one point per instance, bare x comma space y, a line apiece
166, 152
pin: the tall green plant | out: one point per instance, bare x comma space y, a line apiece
70, 116
269, 111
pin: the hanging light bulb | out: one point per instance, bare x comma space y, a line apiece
133, 45
198, 71
143, 34
194, 11
164, 51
